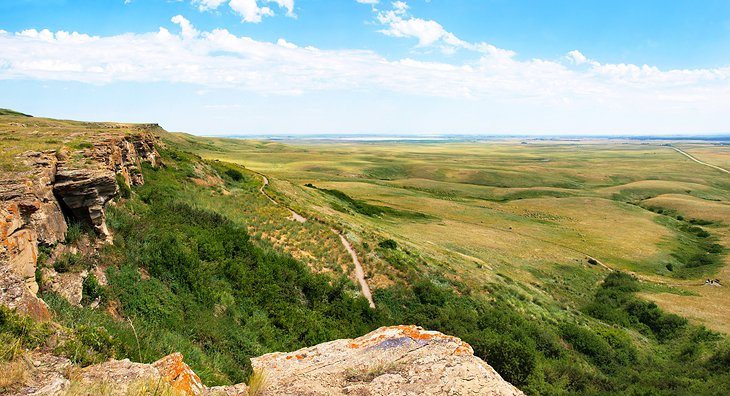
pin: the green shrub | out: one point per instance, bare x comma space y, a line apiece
89, 345
44, 253
514, 361
74, 232
83, 145
388, 244
124, 190
19, 333
68, 263
589, 343
234, 174
615, 303
92, 290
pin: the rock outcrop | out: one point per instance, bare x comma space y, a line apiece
69, 285
54, 185
179, 375
51, 375
29, 215
399, 360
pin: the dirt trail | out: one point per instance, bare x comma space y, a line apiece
359, 272
686, 154
294, 215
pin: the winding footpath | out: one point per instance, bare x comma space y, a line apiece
359, 272
686, 154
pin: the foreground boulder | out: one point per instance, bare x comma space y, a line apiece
50, 375
399, 360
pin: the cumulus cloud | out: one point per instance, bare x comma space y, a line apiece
205, 5
399, 23
250, 10
220, 59
188, 31
577, 57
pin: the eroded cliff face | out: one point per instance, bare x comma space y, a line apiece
390, 361
55, 185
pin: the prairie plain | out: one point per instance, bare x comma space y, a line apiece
549, 217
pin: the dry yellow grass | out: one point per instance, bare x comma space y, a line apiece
692, 207
657, 186
257, 382
13, 374
710, 308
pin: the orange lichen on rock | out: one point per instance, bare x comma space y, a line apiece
178, 374
415, 333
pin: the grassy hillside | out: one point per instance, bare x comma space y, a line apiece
525, 210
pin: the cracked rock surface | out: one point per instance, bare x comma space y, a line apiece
398, 360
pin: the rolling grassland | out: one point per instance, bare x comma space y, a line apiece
532, 212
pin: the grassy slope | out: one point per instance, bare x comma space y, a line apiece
521, 209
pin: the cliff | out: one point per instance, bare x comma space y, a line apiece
399, 360
43, 190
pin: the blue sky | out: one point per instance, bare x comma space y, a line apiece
403, 67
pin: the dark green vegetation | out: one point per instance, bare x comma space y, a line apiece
8, 112
697, 252
191, 280
345, 203
124, 190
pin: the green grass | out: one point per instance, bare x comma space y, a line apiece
367, 209
8, 112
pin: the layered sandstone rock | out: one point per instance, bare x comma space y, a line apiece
29, 215
54, 185
85, 192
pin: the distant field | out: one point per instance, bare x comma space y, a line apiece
532, 212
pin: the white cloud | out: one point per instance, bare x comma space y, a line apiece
249, 10
286, 44
399, 23
577, 57
368, 1
220, 59
188, 31
205, 5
